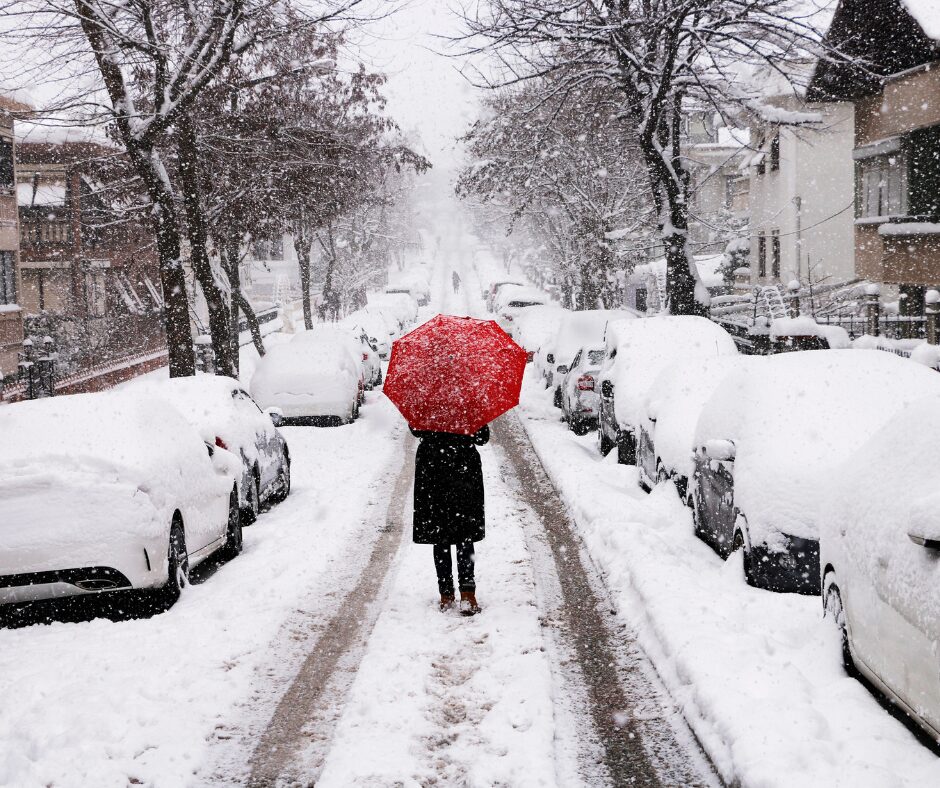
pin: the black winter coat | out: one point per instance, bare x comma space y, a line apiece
449, 488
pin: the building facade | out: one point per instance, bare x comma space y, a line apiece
11, 312
897, 138
801, 194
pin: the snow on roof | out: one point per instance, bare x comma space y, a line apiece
645, 346
794, 417
57, 133
48, 194
927, 14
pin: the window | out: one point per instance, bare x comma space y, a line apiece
761, 255
6, 163
595, 357
95, 297
775, 254
882, 184
7, 278
775, 151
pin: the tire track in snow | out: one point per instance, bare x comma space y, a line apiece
309, 709
644, 738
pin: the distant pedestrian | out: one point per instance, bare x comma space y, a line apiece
456, 280
449, 510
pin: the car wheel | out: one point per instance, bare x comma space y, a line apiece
834, 609
233, 531
626, 449
738, 543
578, 426
604, 444
250, 512
283, 481
380, 378
177, 566
662, 475
556, 400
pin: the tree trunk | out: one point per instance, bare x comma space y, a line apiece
179, 338
220, 328
252, 319
302, 248
229, 255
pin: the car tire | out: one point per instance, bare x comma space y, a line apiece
556, 399
604, 444
578, 426
253, 499
233, 530
662, 475
626, 449
833, 607
283, 481
738, 543
177, 566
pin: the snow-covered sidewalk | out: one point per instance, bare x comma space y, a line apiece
756, 674
105, 704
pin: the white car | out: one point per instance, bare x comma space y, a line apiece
768, 442
579, 394
512, 300
666, 428
402, 306
491, 293
363, 360
309, 382
107, 492
536, 325
381, 328
636, 352
225, 415
880, 558
574, 331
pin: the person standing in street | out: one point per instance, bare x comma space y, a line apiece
449, 509
456, 280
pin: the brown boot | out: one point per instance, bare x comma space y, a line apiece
447, 602
468, 604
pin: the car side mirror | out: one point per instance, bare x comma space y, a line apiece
562, 369
721, 450
931, 542
276, 415
652, 411
607, 389
550, 358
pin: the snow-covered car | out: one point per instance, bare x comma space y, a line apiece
666, 430
880, 557
769, 441
421, 297
226, 416
414, 282
536, 325
371, 361
579, 393
636, 352
106, 492
381, 328
490, 294
402, 306
363, 361
574, 331
512, 300
309, 382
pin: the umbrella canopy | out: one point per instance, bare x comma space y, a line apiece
455, 374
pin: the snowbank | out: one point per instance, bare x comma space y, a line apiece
756, 674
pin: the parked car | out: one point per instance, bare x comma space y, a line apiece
381, 327
226, 416
636, 352
579, 392
535, 326
107, 492
326, 335
309, 382
402, 306
880, 558
767, 441
666, 432
421, 295
576, 330
512, 300
490, 294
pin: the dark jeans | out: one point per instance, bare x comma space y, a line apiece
442, 563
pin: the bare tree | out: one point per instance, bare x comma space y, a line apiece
656, 55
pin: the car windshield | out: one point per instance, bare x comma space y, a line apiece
524, 303
595, 356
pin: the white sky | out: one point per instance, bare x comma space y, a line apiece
426, 94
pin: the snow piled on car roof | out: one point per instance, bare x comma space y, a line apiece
794, 418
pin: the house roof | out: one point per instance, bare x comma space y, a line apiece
871, 40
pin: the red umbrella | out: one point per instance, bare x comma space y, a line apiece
455, 374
